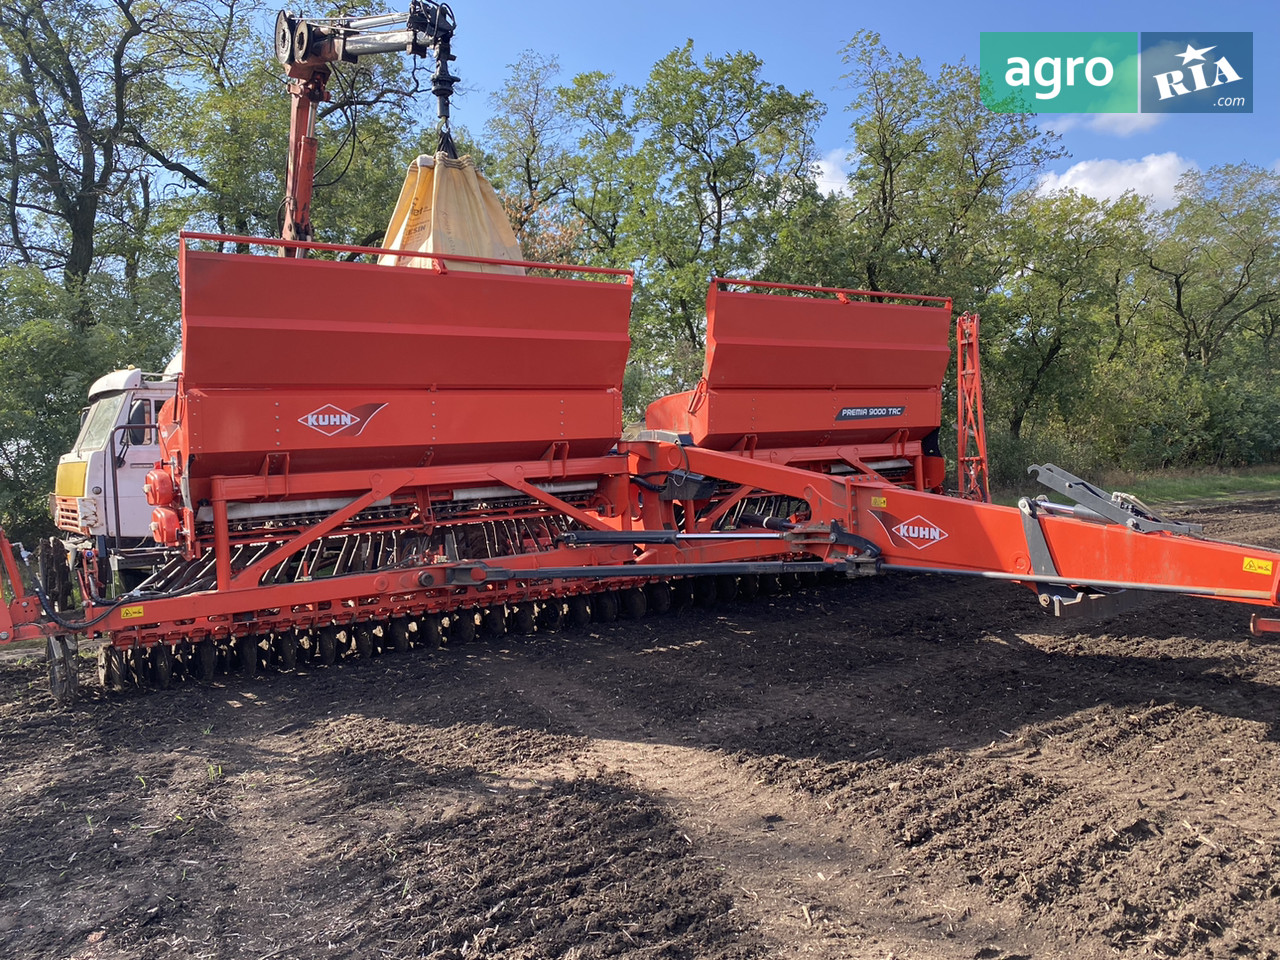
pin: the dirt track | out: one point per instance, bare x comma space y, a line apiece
905, 767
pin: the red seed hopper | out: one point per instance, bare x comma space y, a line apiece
334, 364
845, 375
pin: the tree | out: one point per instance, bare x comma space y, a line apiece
723, 156
935, 171
1217, 258
47, 365
74, 82
601, 166
1045, 324
683, 179
224, 133
528, 133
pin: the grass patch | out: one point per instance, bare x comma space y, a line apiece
1168, 486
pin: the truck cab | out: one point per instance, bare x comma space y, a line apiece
98, 500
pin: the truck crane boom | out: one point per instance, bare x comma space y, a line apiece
306, 48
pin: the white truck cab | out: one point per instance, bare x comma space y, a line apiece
99, 485
98, 500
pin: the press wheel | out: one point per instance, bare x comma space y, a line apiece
247, 655
206, 660
327, 645
61, 653
161, 656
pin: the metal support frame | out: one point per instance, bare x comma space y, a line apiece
971, 427
1114, 508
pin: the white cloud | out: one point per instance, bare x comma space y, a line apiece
1119, 124
1154, 176
1061, 122
832, 172
1125, 124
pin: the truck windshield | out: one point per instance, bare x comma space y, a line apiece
98, 424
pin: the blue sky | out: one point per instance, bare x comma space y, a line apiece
800, 43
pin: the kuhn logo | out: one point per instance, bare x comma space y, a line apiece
329, 420
919, 532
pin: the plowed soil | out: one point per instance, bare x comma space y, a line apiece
896, 767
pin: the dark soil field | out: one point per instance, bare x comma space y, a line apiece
897, 767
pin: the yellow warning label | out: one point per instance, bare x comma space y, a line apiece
1254, 565
879, 501
130, 613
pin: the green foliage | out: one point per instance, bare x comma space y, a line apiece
122, 122
47, 363
1215, 258
688, 177
934, 172
1045, 325
724, 157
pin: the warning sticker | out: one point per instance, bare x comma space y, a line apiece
130, 613
879, 501
1254, 565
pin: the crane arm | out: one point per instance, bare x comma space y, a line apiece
306, 48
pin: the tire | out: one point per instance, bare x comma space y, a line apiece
111, 667
401, 634
430, 632
462, 627
62, 670
604, 607
522, 621
493, 623
286, 644
704, 591
579, 611
682, 593
139, 667
550, 616
363, 637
